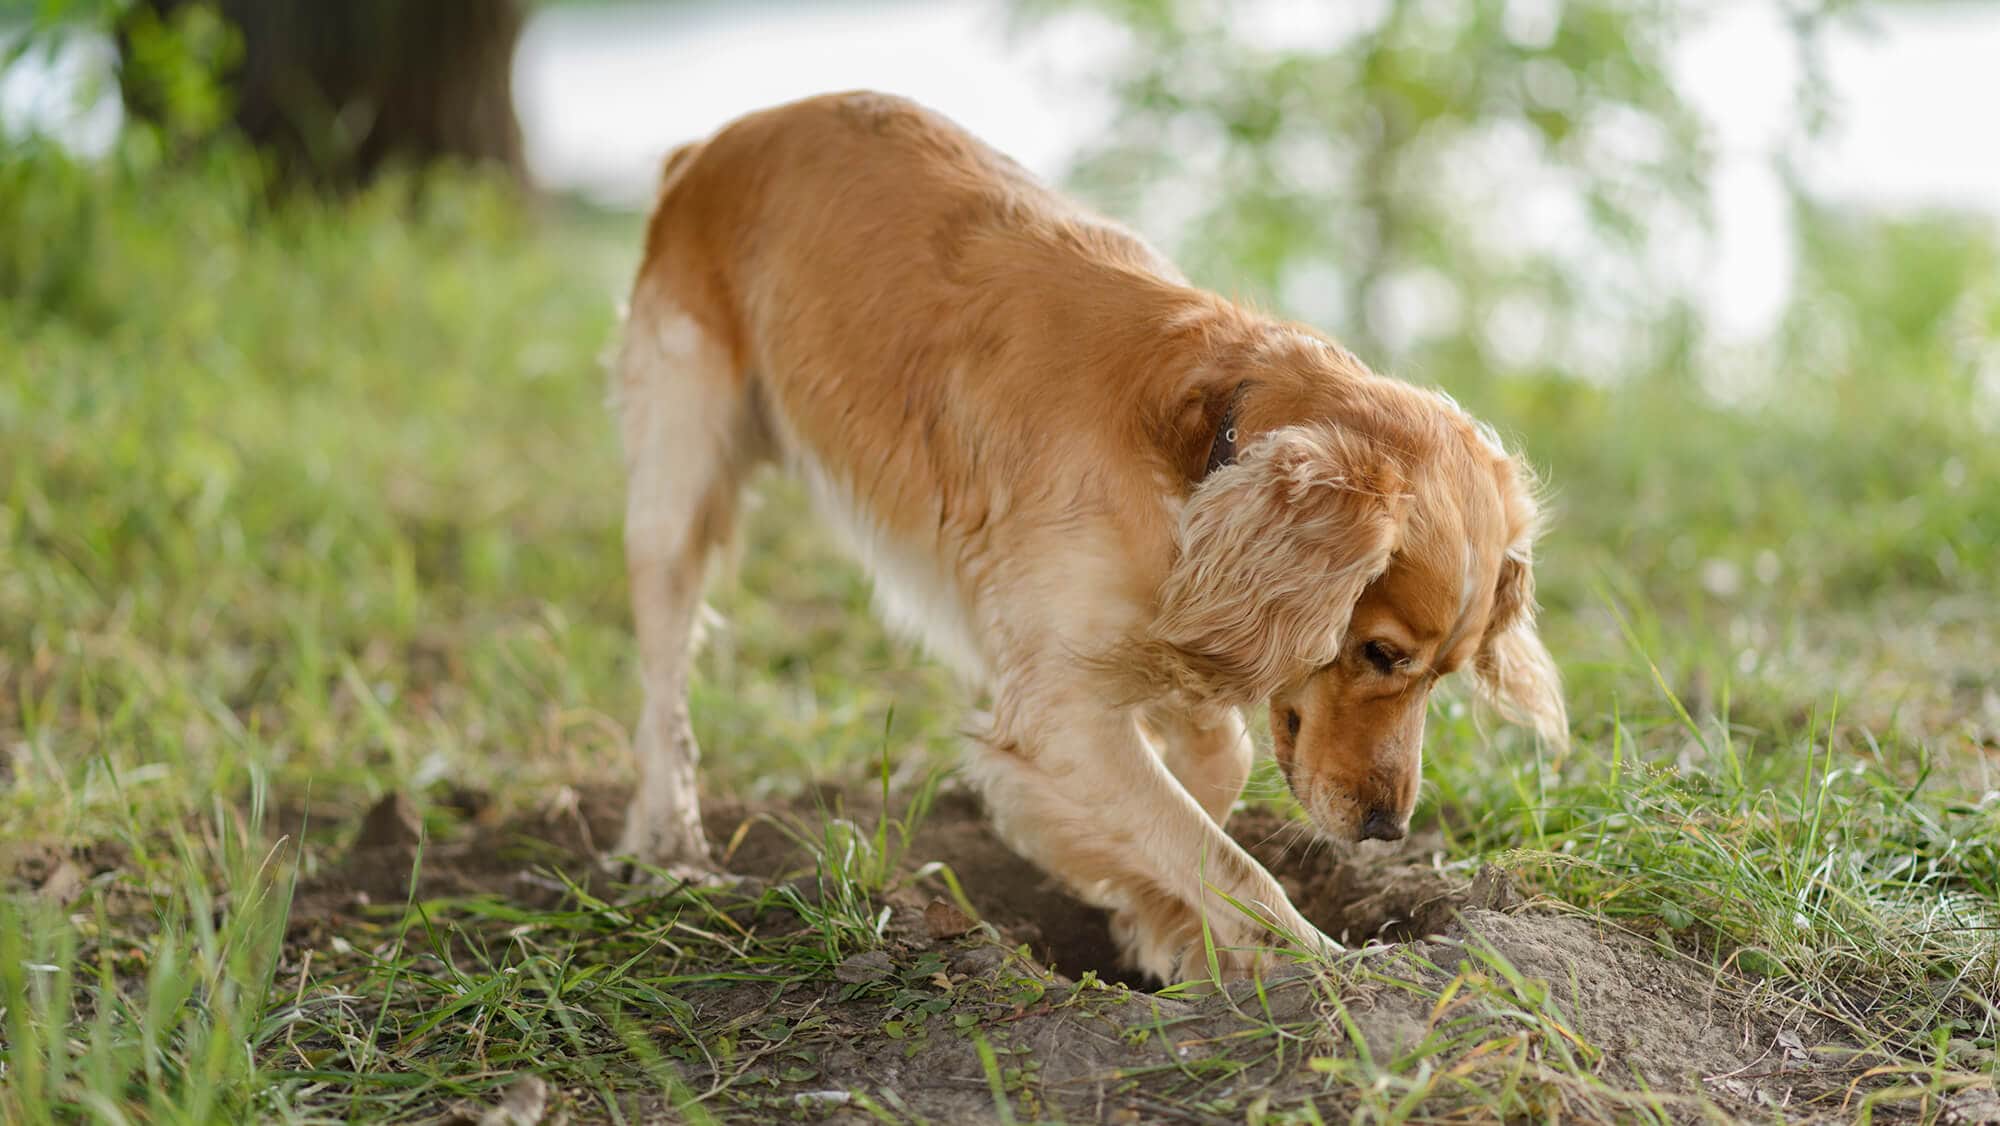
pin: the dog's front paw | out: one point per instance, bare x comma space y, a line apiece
1218, 960
1259, 954
1147, 943
1168, 942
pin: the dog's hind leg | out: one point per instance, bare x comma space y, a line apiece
690, 428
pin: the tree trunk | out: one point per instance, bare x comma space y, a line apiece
337, 90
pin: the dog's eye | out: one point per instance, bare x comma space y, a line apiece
1292, 722
1382, 657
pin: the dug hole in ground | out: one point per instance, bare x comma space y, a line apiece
1448, 958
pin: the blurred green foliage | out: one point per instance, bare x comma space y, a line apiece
307, 393
173, 63
327, 491
1492, 196
1406, 152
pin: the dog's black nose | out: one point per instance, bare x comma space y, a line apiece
1382, 825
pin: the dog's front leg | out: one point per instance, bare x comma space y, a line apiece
1208, 751
1077, 790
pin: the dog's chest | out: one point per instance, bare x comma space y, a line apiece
915, 593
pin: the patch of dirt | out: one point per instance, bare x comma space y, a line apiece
1025, 905
484, 854
1651, 1024
56, 875
1650, 1019
1355, 894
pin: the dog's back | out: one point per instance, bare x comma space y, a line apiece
906, 311
865, 234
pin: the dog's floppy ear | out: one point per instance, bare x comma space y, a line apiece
1513, 668
1273, 552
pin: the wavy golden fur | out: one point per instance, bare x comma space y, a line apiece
1121, 507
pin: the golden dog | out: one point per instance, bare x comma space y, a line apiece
1122, 507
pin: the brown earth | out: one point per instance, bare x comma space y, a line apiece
1354, 896
1640, 1015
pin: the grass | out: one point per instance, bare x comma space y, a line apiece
307, 504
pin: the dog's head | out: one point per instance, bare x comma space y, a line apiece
1352, 540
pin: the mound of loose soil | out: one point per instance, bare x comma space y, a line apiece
1661, 1022
1354, 894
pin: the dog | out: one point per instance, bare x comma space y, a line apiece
1122, 507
